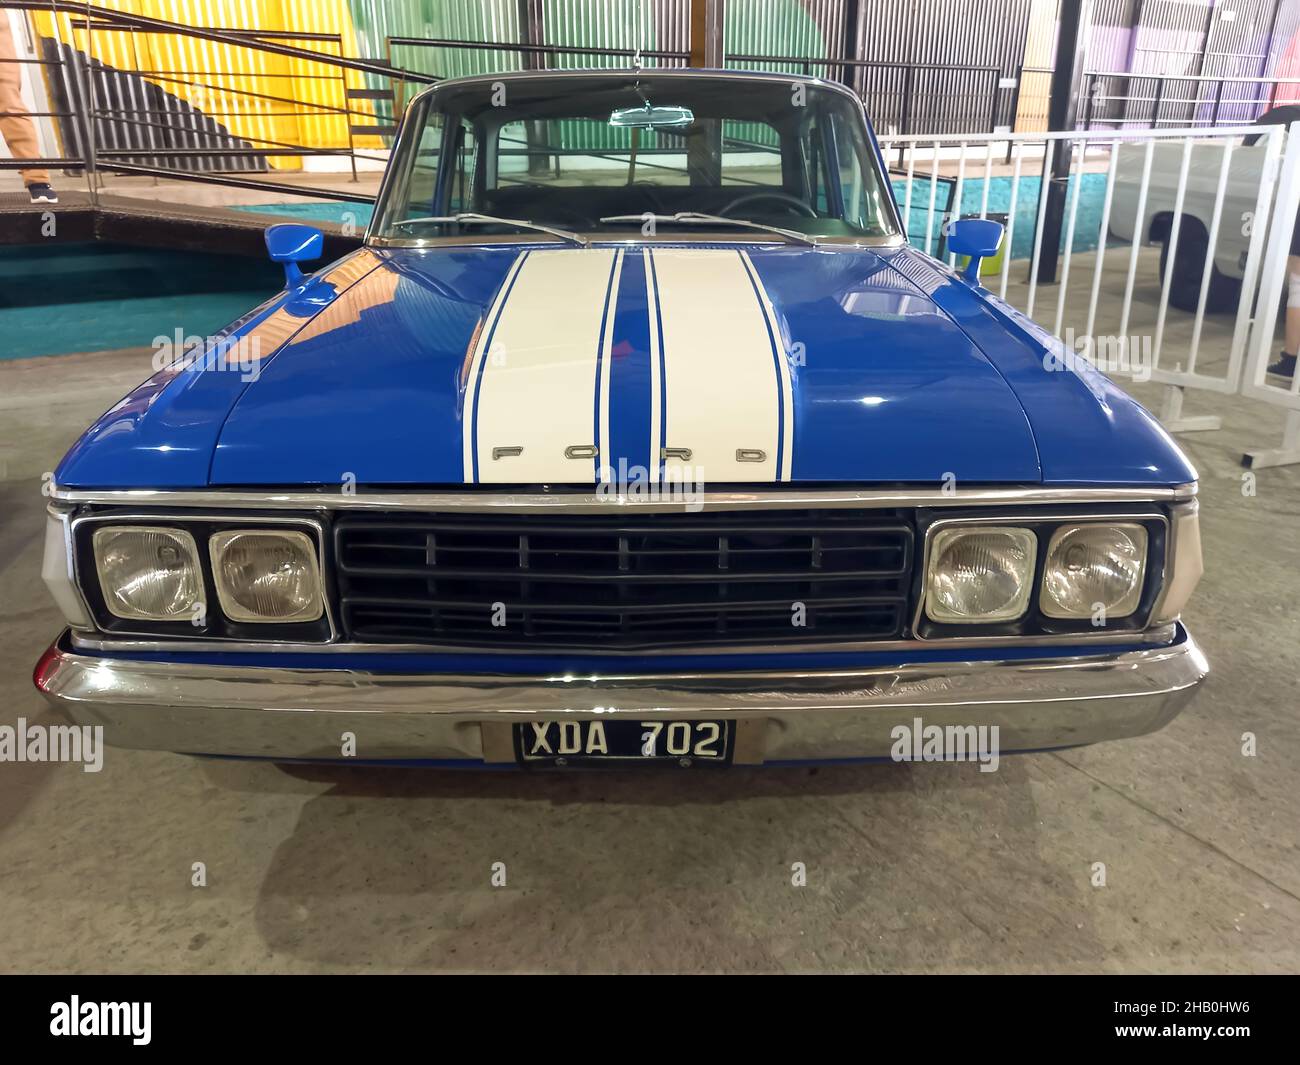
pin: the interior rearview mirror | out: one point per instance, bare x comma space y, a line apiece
651, 117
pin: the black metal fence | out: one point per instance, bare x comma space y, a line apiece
899, 97
139, 122
1180, 101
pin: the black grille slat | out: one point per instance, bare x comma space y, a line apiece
600, 581
614, 577
685, 606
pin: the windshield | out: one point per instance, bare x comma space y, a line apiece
595, 155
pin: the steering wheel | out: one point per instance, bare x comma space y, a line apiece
784, 198
651, 193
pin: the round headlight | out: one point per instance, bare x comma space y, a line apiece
148, 574
1094, 567
264, 575
980, 574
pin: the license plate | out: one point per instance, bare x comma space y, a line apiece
625, 742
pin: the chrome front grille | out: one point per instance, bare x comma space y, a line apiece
623, 581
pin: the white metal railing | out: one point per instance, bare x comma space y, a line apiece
1255, 383
1188, 185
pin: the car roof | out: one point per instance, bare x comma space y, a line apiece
621, 73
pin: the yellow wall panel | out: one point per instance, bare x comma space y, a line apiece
263, 97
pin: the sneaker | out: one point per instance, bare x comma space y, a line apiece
42, 194
1284, 367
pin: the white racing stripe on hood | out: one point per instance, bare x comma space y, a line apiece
784, 379
605, 372
533, 376
725, 381
478, 350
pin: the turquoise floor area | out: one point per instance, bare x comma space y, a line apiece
65, 298
62, 299
1087, 224
356, 213
68, 298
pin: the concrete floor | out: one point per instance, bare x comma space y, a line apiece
911, 867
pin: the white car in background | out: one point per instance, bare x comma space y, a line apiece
1245, 170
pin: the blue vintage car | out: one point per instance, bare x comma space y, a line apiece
635, 433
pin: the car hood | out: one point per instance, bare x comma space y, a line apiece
722, 364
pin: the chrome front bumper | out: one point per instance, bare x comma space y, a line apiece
789, 715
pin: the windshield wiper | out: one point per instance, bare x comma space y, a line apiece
487, 219
695, 218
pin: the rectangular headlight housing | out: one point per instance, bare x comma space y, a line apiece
979, 574
149, 573
1094, 569
266, 575
243, 587
1080, 559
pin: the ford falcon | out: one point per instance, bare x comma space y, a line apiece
635, 434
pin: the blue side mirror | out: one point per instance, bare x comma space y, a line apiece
291, 244
976, 238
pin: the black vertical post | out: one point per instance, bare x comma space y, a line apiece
1268, 51
905, 120
1206, 37
1015, 109
1015, 98
531, 32
852, 42
1062, 114
704, 145
706, 33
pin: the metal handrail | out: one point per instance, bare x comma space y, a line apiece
209, 178
807, 63
1092, 97
1249, 79
84, 147
535, 49
220, 36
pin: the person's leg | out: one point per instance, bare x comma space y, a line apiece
1285, 365
17, 127
1293, 304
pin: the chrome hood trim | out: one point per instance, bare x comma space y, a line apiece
664, 500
